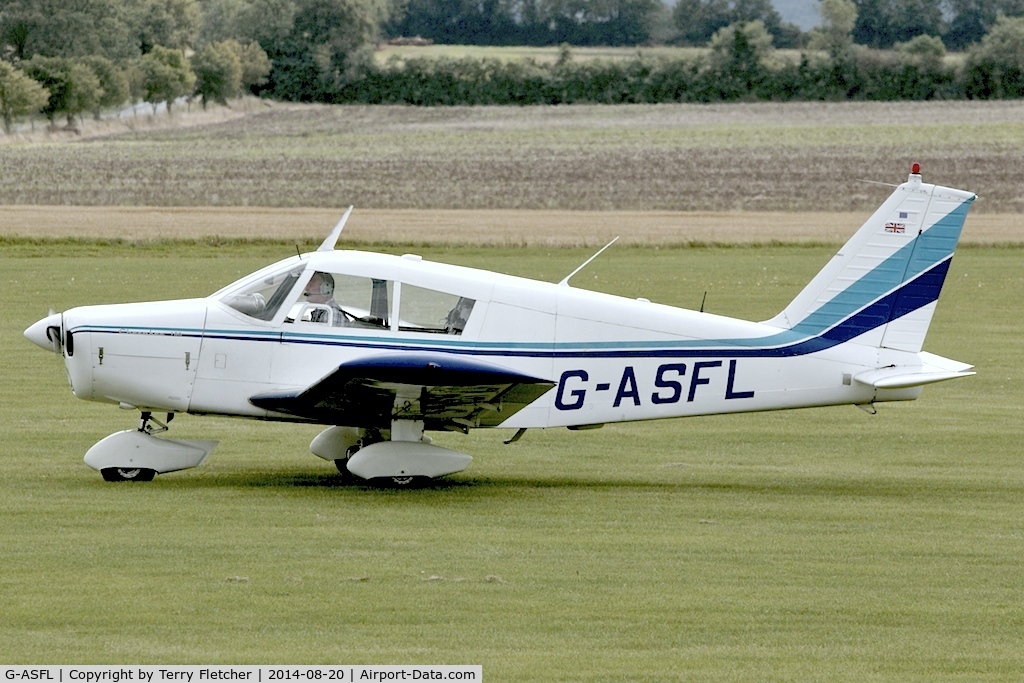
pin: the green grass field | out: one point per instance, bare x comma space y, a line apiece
822, 544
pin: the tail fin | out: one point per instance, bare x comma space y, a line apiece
882, 286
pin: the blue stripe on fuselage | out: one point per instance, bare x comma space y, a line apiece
919, 292
920, 255
870, 302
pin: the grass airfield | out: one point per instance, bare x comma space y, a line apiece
824, 544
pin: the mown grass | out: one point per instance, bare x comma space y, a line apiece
750, 157
814, 545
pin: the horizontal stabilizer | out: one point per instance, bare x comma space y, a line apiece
932, 369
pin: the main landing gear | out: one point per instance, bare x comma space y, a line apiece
405, 459
139, 455
126, 474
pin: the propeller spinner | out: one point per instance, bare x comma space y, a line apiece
46, 333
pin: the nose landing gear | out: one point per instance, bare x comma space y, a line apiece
147, 421
139, 455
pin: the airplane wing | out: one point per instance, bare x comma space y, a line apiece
446, 392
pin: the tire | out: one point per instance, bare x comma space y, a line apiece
401, 482
127, 474
346, 476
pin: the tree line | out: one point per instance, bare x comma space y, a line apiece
741, 65
70, 59
67, 60
879, 23
529, 22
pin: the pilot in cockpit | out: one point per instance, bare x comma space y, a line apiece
320, 290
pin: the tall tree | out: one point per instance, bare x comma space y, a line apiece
995, 66
74, 88
218, 70
222, 20
57, 28
883, 23
112, 81
255, 64
86, 91
835, 35
268, 22
698, 20
166, 76
318, 46
739, 55
971, 20
170, 23
19, 95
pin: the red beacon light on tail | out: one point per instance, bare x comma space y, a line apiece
915, 175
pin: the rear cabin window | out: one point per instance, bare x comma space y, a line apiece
430, 311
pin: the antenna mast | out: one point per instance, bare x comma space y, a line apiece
565, 280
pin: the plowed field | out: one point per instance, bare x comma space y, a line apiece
775, 157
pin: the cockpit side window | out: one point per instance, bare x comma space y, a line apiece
262, 298
427, 310
367, 299
341, 300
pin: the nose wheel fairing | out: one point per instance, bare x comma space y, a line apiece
133, 449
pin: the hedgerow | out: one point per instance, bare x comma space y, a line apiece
870, 75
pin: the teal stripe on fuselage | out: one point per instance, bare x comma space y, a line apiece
931, 247
924, 252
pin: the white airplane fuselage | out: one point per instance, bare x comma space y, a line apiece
613, 359
381, 348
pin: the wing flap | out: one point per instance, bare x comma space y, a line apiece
444, 391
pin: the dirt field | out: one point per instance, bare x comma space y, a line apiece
488, 228
666, 174
749, 157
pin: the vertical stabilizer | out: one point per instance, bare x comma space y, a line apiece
881, 287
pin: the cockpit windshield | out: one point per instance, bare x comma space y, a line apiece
262, 296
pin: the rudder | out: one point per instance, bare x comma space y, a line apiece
882, 286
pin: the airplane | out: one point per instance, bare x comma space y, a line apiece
382, 349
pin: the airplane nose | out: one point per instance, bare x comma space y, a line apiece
46, 333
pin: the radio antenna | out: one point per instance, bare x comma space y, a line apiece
565, 280
332, 239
